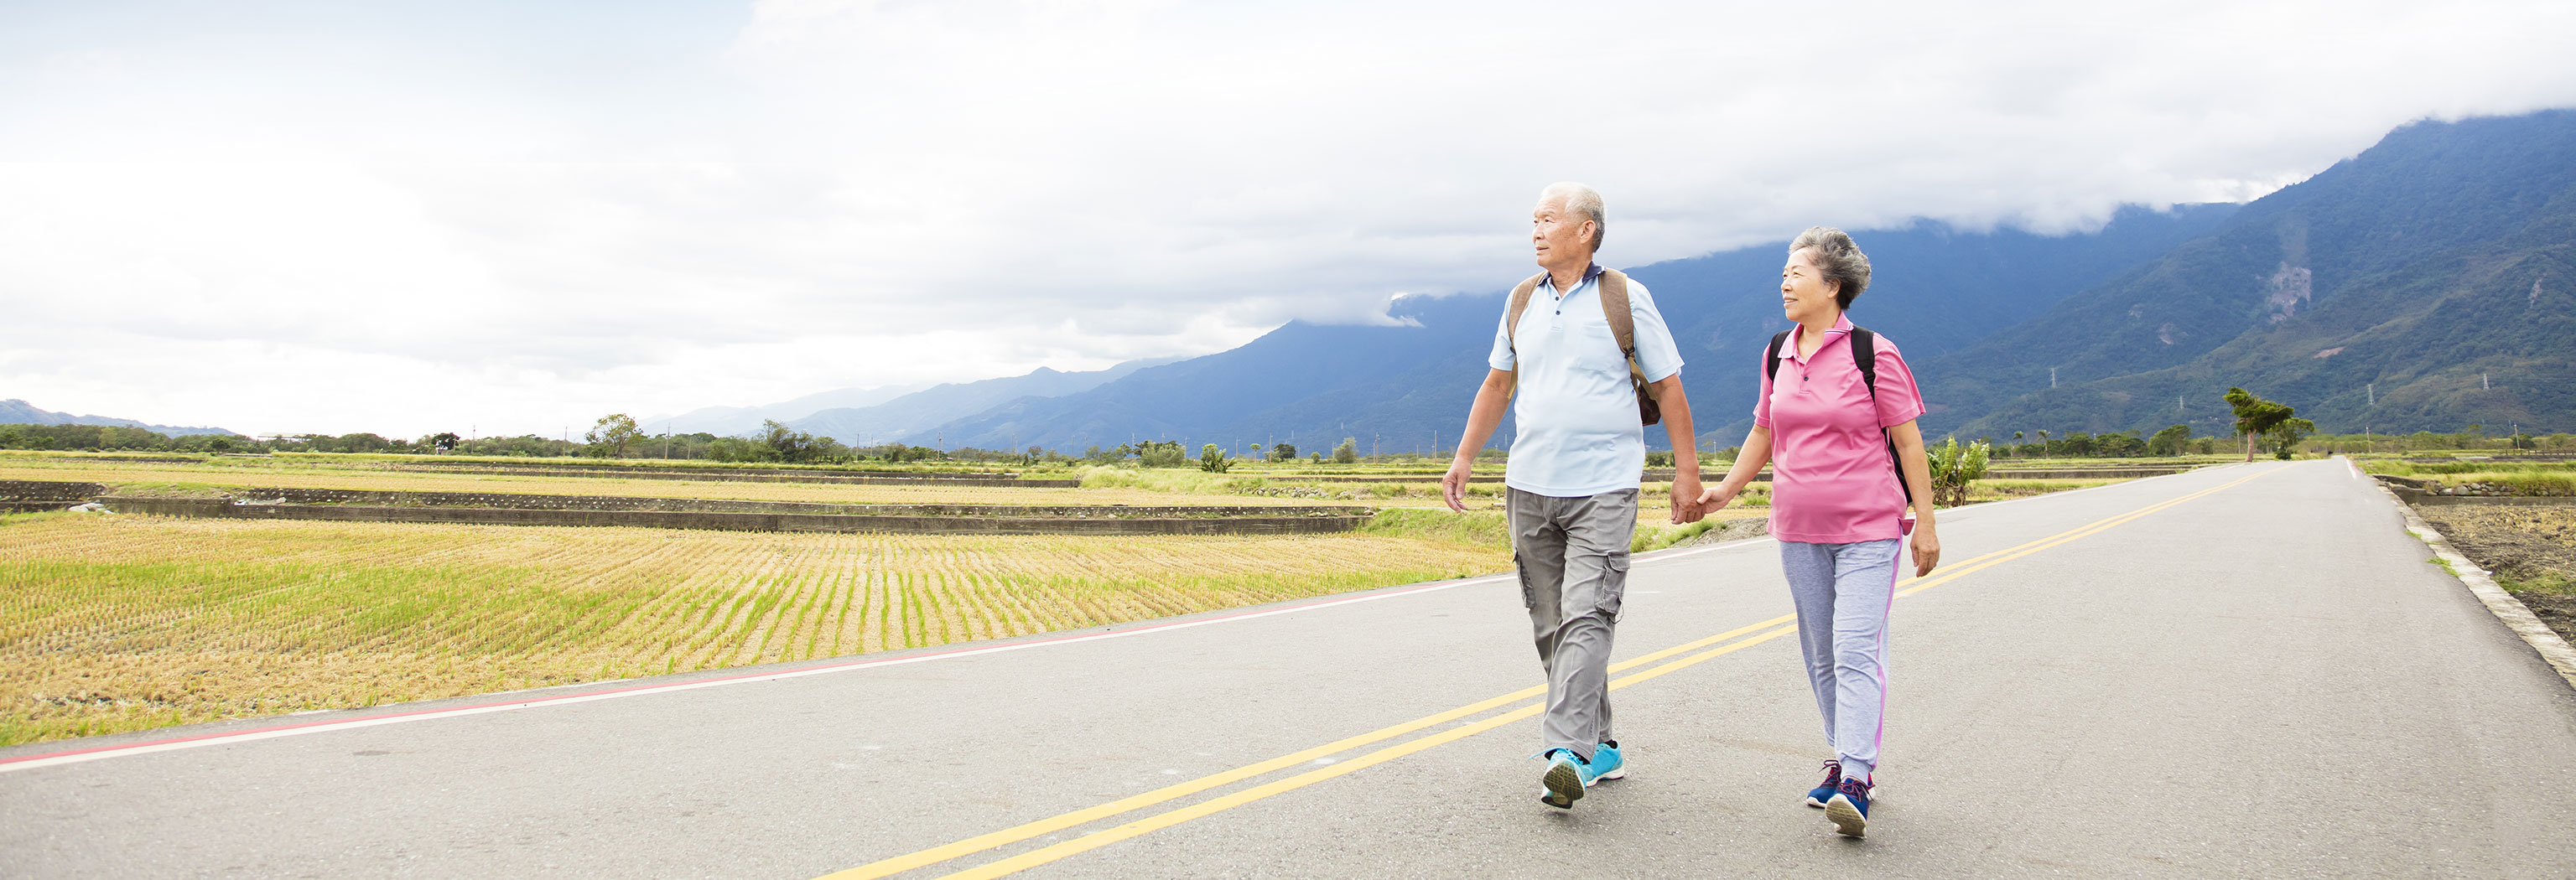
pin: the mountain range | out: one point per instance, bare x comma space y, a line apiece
1396, 388
2424, 284
20, 412
2421, 285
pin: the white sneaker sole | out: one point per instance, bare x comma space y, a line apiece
1847, 819
1562, 786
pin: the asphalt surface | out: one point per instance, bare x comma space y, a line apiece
2267, 680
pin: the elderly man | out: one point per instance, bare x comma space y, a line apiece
1583, 372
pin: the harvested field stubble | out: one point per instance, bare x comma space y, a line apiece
2530, 549
125, 622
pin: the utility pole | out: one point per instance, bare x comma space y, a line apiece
2483, 384
2374, 393
2052, 377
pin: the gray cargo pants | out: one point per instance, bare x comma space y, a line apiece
1573, 560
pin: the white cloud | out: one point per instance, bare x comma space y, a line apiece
373, 224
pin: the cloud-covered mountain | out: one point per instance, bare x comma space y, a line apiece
2424, 284
1400, 387
931, 407
20, 412
731, 421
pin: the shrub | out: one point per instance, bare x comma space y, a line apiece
1953, 468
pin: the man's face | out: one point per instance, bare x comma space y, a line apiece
1562, 238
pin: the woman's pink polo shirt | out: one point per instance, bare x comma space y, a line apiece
1831, 479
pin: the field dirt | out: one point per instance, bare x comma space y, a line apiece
2531, 550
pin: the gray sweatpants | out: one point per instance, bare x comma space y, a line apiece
1573, 560
1842, 593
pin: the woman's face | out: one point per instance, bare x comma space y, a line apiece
1803, 291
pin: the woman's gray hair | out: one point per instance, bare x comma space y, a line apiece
1579, 199
1841, 261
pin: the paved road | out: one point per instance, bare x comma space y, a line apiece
2238, 672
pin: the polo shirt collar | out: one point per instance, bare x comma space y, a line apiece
1842, 327
1592, 271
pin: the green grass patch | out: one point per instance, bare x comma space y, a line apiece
1488, 528
2546, 583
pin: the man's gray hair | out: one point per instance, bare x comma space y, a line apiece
1579, 199
1839, 259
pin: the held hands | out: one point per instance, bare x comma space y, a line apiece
1687, 495
1715, 498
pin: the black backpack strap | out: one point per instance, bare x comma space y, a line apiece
1864, 346
1771, 362
1864, 349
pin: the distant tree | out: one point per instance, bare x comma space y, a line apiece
1213, 460
220, 444
1318, 457
2256, 416
2169, 441
1283, 452
2077, 443
1160, 453
1348, 452
2043, 441
785, 443
2121, 445
443, 441
614, 433
2285, 435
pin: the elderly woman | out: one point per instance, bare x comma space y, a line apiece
1847, 462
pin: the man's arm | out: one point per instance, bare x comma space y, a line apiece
1487, 413
1677, 426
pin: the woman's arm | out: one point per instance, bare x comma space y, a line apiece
1748, 463
1917, 474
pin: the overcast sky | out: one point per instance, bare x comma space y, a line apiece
412, 217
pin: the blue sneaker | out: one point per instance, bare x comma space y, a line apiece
1563, 784
1606, 763
1848, 809
1817, 796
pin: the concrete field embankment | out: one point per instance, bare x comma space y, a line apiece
1106, 522
732, 475
2433, 493
342, 505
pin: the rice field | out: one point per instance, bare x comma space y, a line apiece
116, 623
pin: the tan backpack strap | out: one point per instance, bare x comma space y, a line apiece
1614, 306
1512, 324
1520, 303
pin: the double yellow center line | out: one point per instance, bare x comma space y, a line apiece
1726, 643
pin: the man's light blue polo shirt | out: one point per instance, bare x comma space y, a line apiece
1576, 412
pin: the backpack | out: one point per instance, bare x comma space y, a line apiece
1623, 325
1864, 348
